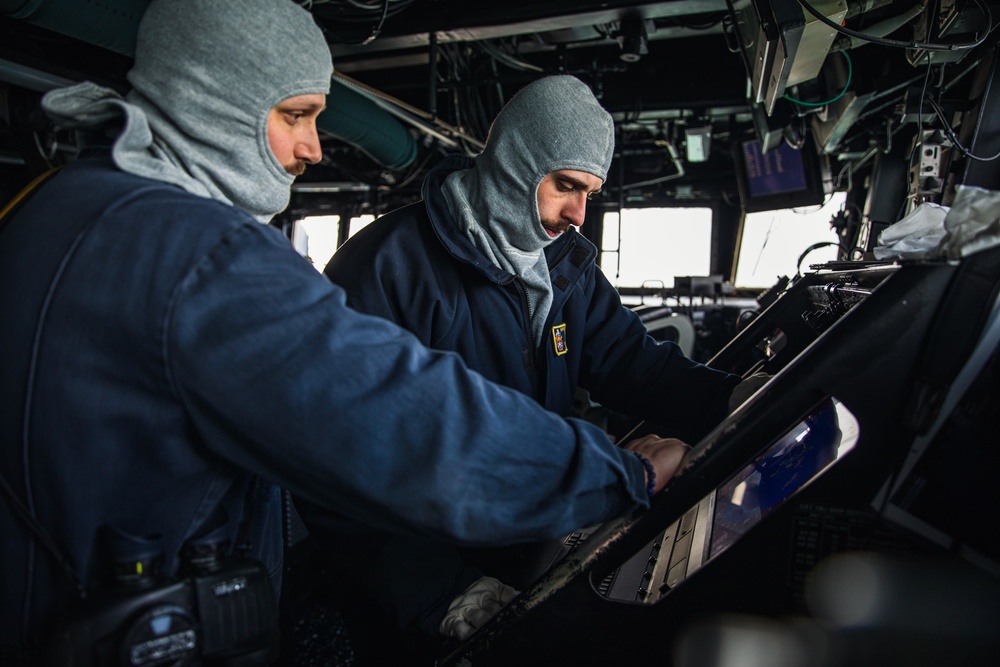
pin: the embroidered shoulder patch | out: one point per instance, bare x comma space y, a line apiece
559, 338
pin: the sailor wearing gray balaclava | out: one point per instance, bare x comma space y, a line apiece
484, 266
198, 111
552, 124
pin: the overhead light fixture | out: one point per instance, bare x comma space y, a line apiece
632, 40
698, 142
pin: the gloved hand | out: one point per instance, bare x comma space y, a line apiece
475, 606
746, 389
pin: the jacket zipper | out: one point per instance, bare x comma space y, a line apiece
527, 311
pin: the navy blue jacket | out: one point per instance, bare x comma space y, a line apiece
414, 267
160, 350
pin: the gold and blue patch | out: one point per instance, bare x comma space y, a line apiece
559, 338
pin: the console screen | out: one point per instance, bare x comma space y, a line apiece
798, 457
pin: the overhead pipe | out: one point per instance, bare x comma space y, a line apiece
114, 24
447, 134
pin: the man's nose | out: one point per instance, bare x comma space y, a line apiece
576, 211
308, 148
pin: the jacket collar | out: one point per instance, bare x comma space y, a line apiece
567, 257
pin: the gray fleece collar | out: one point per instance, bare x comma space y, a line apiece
551, 124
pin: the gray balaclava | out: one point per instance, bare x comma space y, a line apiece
551, 124
206, 76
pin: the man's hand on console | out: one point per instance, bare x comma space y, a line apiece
666, 455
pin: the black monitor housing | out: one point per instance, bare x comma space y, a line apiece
780, 178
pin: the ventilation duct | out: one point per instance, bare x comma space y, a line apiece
113, 25
360, 122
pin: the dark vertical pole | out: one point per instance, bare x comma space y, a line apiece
432, 75
984, 138
621, 196
725, 230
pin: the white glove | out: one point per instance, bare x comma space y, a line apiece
474, 607
746, 389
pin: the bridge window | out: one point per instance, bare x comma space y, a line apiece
647, 247
773, 241
316, 236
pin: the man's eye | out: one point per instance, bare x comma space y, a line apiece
564, 187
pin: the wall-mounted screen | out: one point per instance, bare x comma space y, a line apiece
781, 178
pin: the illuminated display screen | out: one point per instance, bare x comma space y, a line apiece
776, 172
780, 178
805, 451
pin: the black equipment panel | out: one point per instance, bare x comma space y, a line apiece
851, 334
